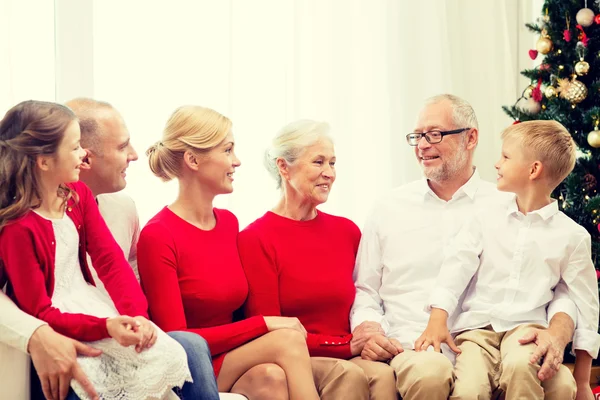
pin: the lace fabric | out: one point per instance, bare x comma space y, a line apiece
119, 373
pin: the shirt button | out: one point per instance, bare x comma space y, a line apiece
326, 342
52, 243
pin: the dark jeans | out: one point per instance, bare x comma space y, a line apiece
204, 386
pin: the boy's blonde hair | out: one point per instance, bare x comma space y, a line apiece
550, 143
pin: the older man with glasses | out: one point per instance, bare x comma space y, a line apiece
402, 249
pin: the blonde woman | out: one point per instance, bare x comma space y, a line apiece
191, 272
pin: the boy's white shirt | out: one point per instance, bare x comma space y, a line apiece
17, 327
508, 267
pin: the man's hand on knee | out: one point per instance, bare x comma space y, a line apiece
362, 333
549, 348
54, 357
380, 348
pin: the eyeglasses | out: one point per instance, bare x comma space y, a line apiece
432, 137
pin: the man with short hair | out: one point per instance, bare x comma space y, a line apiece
402, 249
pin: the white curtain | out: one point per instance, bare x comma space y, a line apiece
26, 52
26, 72
364, 66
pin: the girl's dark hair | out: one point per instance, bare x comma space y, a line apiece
29, 129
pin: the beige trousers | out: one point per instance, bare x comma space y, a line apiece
355, 379
490, 361
423, 375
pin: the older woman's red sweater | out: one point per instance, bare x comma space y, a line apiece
303, 269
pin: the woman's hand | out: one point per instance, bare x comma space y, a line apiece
274, 323
361, 335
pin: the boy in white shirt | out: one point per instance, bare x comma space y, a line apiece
507, 264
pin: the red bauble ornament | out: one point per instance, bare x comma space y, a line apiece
597, 19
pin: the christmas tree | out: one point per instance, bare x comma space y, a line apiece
565, 87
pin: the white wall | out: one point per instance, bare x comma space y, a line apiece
74, 49
26, 52
364, 66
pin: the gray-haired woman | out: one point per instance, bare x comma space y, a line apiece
299, 263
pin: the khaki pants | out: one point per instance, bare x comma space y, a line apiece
425, 375
491, 361
355, 379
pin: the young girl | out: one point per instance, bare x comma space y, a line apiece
48, 221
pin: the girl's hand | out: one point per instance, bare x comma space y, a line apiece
148, 331
124, 330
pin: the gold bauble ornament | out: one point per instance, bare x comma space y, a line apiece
582, 68
585, 17
528, 91
573, 91
550, 92
544, 45
593, 138
577, 92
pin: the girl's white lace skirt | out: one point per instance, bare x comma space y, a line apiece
120, 373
